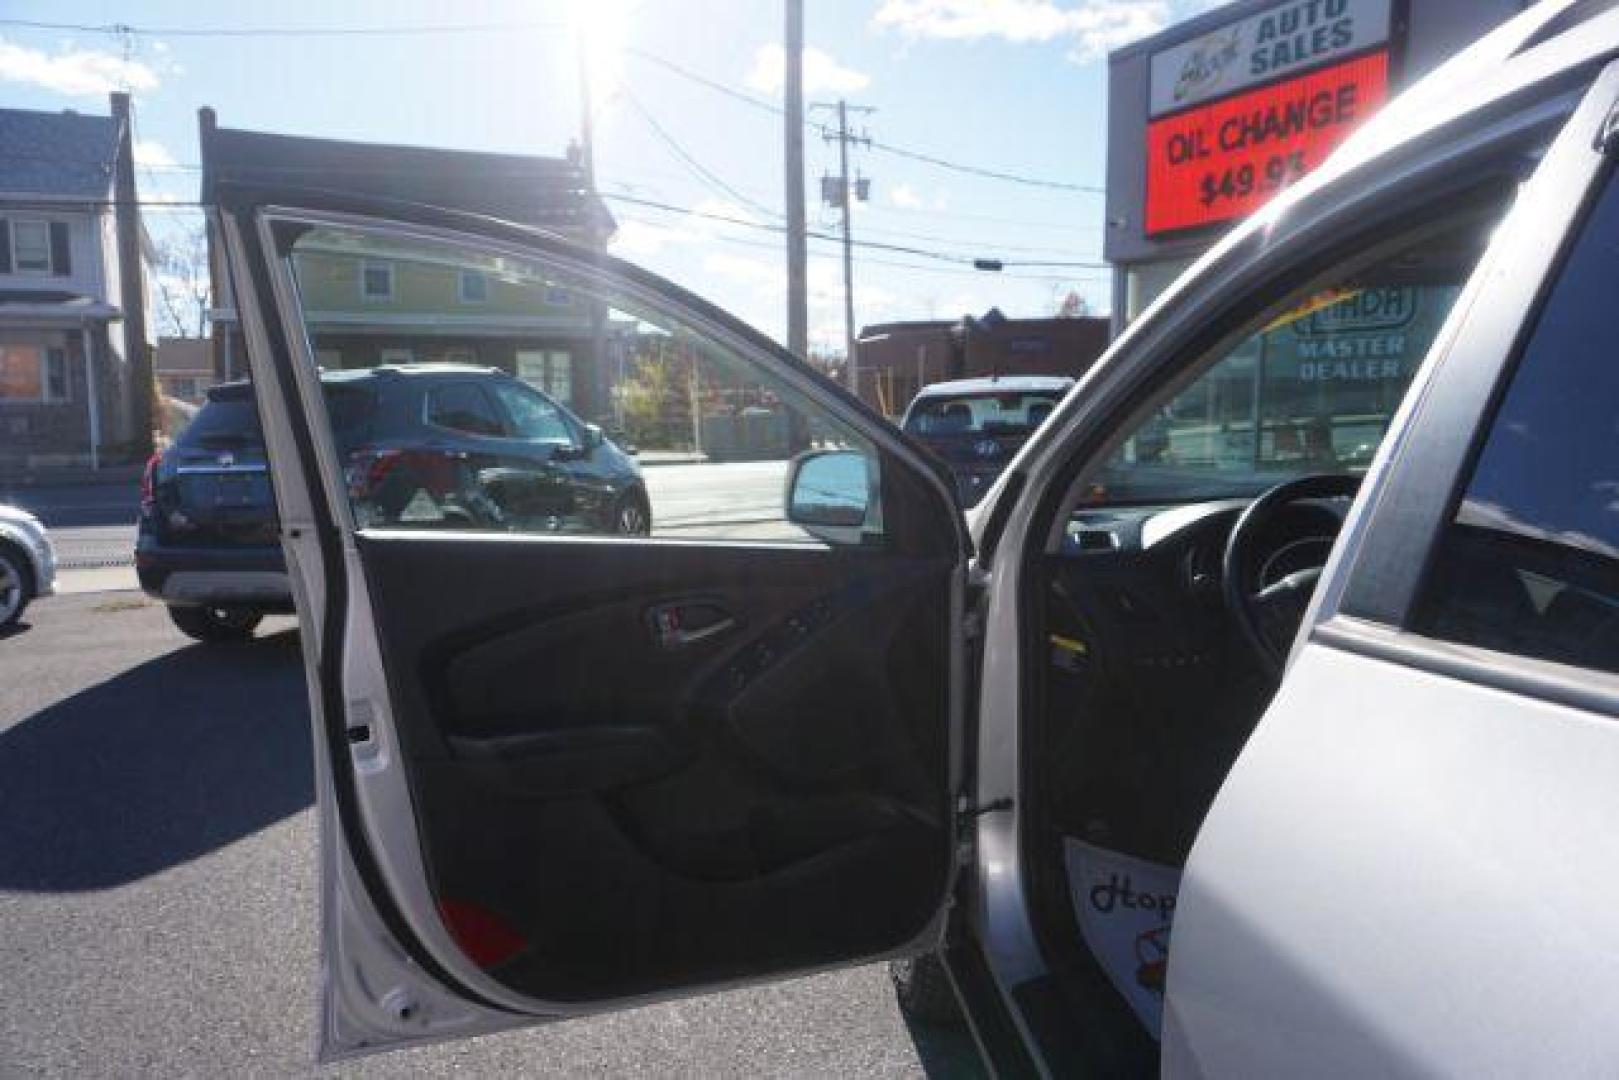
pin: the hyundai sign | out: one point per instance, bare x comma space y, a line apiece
1245, 110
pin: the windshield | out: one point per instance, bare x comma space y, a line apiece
987, 413
232, 419
227, 421
1310, 391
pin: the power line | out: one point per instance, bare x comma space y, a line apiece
290, 32
990, 174
696, 166
923, 268
955, 258
125, 29
899, 151
712, 84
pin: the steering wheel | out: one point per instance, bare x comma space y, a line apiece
1268, 615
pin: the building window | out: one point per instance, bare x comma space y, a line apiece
557, 296
474, 287
33, 373
550, 371
376, 281
31, 247
56, 388
396, 356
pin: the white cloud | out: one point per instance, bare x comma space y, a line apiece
905, 197
153, 154
760, 274
1091, 27
73, 71
822, 74
642, 239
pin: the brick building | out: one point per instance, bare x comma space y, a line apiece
897, 359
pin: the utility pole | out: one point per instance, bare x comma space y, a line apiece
837, 193
793, 132
598, 380
587, 141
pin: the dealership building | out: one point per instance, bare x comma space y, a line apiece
1211, 118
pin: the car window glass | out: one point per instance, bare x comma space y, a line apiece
532, 416
1530, 562
349, 408
988, 413
697, 437
462, 407
1309, 390
224, 421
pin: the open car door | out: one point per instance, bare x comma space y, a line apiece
560, 770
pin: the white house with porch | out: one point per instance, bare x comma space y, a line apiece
74, 366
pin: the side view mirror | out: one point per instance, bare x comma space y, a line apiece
621, 439
829, 493
593, 436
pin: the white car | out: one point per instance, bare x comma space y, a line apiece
1311, 660
27, 563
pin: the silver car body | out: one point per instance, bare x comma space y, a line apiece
28, 533
1406, 871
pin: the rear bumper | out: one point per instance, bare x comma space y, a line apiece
246, 577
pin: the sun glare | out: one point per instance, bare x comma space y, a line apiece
602, 27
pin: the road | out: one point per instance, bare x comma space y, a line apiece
93, 528
734, 500
158, 902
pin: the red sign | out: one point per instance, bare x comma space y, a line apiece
1226, 159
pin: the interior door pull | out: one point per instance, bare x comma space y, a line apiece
675, 626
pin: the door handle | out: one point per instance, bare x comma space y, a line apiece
677, 625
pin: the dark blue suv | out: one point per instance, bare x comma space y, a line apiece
439, 444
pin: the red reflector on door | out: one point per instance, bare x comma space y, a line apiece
485, 937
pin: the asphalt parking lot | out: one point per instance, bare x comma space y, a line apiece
157, 888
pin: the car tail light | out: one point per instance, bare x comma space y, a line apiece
367, 469
148, 481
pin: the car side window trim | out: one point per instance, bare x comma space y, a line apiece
1560, 684
1428, 455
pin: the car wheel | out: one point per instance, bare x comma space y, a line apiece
632, 516
215, 624
924, 991
16, 584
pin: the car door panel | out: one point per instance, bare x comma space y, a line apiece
1401, 918
1405, 871
589, 770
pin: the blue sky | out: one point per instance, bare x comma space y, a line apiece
1017, 86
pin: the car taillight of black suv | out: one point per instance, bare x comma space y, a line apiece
423, 445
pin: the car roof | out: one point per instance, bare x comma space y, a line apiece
415, 370
243, 389
1005, 384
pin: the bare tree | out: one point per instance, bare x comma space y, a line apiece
183, 286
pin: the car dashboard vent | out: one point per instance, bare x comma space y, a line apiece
1094, 539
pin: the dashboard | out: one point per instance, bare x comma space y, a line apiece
1143, 585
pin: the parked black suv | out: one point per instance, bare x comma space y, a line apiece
423, 444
